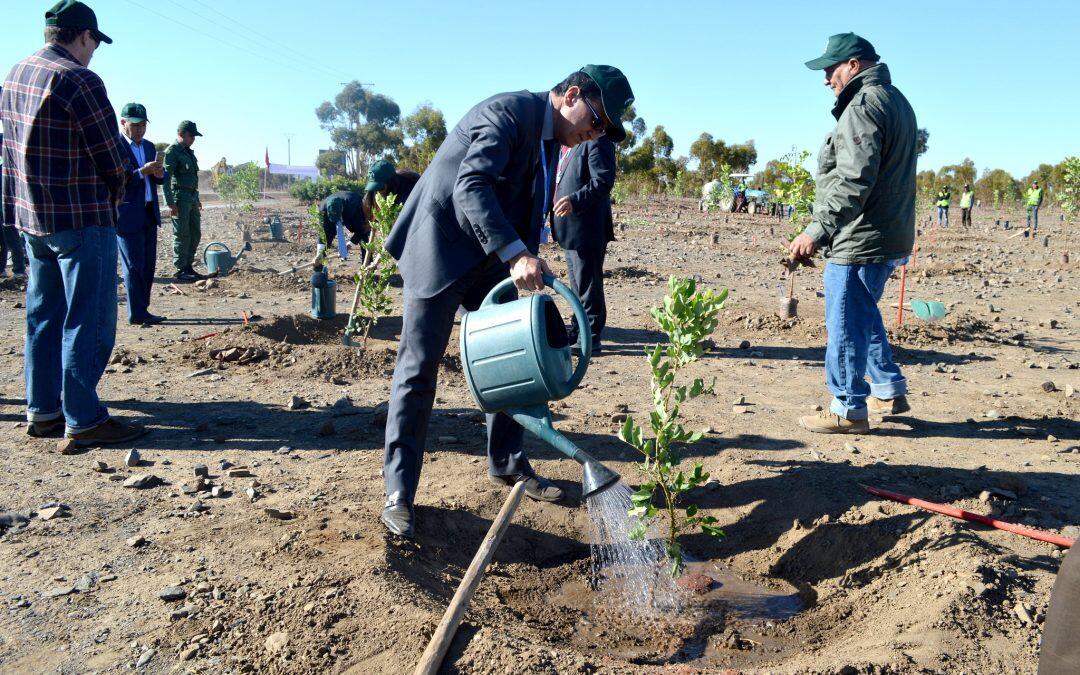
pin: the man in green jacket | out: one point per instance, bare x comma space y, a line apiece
864, 224
967, 199
944, 198
1033, 199
182, 196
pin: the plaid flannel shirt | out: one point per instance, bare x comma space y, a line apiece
64, 165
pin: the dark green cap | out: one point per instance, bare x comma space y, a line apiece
615, 95
841, 47
77, 16
379, 175
134, 112
188, 125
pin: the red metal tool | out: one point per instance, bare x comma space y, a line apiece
203, 337
944, 510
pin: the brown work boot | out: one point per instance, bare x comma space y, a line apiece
888, 406
46, 429
827, 422
107, 433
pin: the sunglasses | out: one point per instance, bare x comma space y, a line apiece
597, 122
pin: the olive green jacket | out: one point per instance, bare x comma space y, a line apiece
181, 174
864, 210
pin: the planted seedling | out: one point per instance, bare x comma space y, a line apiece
376, 269
794, 187
687, 317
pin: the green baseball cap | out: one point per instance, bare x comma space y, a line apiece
379, 175
188, 125
134, 112
77, 16
615, 95
841, 47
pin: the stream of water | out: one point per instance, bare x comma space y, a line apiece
635, 573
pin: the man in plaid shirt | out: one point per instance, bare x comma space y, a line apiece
64, 172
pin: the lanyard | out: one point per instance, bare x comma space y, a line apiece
547, 188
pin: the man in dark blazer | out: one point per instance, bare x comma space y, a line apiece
472, 220
583, 225
139, 215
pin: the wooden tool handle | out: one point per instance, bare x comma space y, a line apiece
444, 633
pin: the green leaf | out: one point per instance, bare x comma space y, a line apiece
691, 510
713, 531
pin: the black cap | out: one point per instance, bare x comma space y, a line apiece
75, 15
615, 95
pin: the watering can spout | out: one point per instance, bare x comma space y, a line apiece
596, 478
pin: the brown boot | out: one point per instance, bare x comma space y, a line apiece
108, 432
46, 429
827, 422
888, 406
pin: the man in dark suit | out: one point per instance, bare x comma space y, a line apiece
139, 216
472, 220
583, 225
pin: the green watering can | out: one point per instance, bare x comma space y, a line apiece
516, 357
221, 261
928, 310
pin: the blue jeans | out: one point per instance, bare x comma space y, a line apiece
11, 245
70, 324
1033, 213
943, 213
858, 345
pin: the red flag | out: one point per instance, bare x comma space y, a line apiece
268, 157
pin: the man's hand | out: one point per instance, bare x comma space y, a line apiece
173, 212
802, 247
527, 272
152, 169
563, 207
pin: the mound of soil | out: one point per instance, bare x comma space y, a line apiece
964, 327
301, 329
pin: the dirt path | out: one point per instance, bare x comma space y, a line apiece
300, 578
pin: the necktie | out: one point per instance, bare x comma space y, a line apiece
563, 152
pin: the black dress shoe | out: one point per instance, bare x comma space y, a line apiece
186, 277
148, 320
540, 489
399, 519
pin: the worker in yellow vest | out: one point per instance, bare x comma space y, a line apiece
967, 199
944, 196
1033, 200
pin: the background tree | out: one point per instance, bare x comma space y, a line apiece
956, 175
425, 130
999, 181
1068, 192
922, 141
363, 125
331, 163
712, 153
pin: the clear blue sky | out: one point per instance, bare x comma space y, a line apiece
995, 81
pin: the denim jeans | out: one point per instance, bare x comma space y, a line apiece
70, 324
943, 215
11, 245
1033, 213
858, 345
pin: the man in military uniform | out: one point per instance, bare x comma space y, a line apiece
182, 196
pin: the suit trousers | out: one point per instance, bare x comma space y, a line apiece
586, 270
138, 258
425, 332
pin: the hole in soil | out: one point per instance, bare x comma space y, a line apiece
728, 621
300, 329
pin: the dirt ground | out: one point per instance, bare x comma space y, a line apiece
285, 567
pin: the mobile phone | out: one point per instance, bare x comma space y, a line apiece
160, 157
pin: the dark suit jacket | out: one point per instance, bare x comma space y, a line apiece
478, 195
131, 216
352, 216
588, 176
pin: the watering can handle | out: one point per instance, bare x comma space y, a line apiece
206, 248
506, 286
